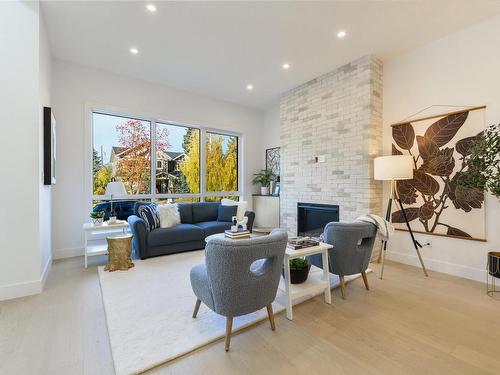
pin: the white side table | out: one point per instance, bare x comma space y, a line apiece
316, 282
92, 247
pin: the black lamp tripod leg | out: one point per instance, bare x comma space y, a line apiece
415, 242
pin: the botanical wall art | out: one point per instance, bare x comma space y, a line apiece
434, 201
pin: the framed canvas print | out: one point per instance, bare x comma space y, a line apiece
49, 147
434, 201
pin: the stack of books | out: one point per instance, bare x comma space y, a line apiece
237, 235
296, 243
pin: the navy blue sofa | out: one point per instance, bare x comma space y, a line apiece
198, 220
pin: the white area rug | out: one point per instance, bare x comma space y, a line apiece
149, 312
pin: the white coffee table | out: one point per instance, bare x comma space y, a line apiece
316, 282
97, 247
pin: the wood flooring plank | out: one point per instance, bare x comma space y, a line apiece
405, 324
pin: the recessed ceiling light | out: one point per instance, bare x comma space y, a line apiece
249, 87
341, 34
134, 51
151, 8
286, 66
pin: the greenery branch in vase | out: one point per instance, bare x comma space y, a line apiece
484, 163
264, 178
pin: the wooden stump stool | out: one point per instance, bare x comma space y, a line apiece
119, 251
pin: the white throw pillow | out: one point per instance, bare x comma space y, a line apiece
169, 215
242, 207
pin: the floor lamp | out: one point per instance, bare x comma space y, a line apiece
393, 168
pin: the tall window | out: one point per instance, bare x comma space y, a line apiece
122, 150
178, 153
158, 160
221, 162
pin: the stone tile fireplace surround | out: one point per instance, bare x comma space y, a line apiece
330, 131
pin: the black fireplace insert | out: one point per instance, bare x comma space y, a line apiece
312, 218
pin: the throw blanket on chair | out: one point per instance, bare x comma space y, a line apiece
384, 228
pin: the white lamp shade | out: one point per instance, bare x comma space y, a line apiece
393, 167
116, 188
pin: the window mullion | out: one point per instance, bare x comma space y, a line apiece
203, 165
153, 157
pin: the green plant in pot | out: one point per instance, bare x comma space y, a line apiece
482, 157
97, 217
299, 270
263, 178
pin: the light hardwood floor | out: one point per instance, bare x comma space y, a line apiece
406, 324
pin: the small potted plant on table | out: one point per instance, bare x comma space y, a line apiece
299, 270
263, 178
97, 217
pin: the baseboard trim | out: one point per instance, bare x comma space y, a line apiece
45, 272
27, 288
470, 273
68, 253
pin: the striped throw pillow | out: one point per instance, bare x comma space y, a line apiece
149, 213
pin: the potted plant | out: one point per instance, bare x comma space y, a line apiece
482, 157
263, 178
299, 270
97, 217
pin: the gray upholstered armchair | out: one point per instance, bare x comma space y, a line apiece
232, 283
352, 249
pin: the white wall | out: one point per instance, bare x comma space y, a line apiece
272, 127
21, 259
271, 135
77, 88
460, 69
45, 71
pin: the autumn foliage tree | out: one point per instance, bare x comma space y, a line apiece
230, 177
101, 179
190, 166
102, 174
221, 163
133, 165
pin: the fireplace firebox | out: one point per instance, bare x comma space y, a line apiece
312, 218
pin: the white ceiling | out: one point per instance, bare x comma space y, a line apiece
217, 48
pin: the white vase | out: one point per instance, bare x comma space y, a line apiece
264, 190
97, 220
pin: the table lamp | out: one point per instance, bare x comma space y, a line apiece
394, 168
114, 188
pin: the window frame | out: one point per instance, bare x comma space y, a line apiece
153, 159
